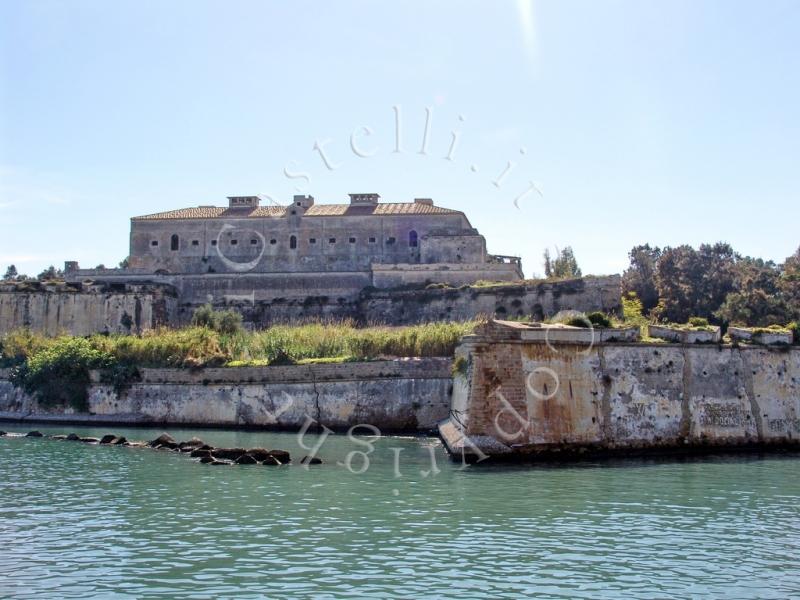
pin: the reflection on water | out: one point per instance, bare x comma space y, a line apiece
84, 521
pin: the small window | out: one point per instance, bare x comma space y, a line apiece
298, 204
254, 242
331, 240
195, 242
391, 240
372, 240
273, 242
213, 242
234, 242
412, 239
154, 243
312, 240
352, 240
174, 242
293, 242
294, 212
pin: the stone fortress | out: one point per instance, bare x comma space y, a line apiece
371, 261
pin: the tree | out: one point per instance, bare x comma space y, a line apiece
640, 277
124, 263
563, 266
694, 283
50, 273
758, 299
11, 274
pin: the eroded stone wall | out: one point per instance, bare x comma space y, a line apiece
409, 395
85, 309
530, 398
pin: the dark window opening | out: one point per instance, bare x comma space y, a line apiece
273, 242
352, 240
174, 242
293, 242
154, 243
213, 242
298, 204
312, 240
332, 240
234, 242
391, 240
253, 242
195, 242
294, 212
412, 239
372, 240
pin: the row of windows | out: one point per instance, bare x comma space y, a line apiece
413, 241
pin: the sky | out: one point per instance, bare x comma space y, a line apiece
599, 125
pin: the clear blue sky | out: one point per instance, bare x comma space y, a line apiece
662, 122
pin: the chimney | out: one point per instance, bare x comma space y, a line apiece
364, 199
425, 201
304, 201
243, 201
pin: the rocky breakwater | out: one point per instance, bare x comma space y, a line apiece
195, 448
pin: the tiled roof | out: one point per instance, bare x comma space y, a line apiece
318, 210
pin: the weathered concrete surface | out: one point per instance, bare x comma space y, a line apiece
521, 398
402, 395
81, 309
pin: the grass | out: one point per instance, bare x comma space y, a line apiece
284, 344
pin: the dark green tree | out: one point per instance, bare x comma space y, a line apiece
640, 276
563, 266
11, 274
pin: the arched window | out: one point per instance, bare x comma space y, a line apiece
412, 239
174, 242
293, 242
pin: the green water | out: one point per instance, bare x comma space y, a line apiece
88, 521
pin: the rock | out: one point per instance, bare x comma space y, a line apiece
221, 462
120, 441
136, 444
192, 443
34, 434
207, 459
228, 453
200, 453
90, 440
165, 440
246, 459
310, 460
74, 437
108, 439
58, 437
282, 455
205, 447
259, 453
2, 433
271, 461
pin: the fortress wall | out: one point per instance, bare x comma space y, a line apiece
405, 395
540, 299
455, 274
51, 310
525, 399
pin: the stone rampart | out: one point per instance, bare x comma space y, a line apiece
533, 398
407, 395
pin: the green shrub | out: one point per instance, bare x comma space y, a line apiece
698, 322
16, 346
460, 367
227, 322
59, 374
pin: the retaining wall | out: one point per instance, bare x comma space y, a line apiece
410, 395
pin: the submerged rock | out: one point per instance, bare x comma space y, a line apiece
108, 439
34, 434
271, 461
165, 440
73, 437
2, 433
282, 455
192, 444
246, 459
228, 453
200, 453
58, 437
221, 462
311, 460
120, 441
90, 440
207, 459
